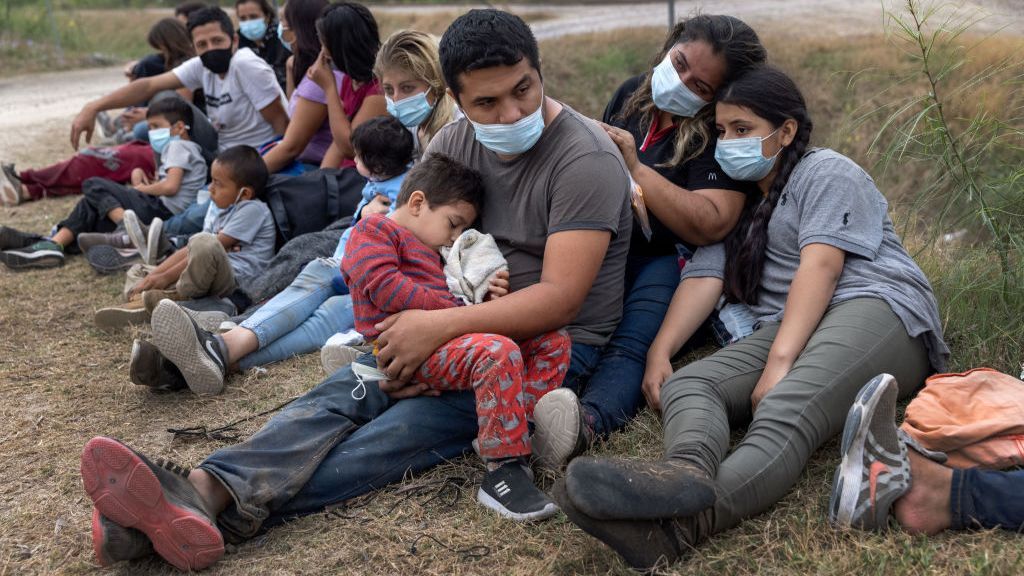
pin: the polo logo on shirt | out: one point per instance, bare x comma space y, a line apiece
783, 199
217, 102
712, 176
846, 219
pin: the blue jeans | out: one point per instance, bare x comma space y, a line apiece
611, 392
300, 318
187, 222
327, 447
987, 499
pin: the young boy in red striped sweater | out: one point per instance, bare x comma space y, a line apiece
392, 263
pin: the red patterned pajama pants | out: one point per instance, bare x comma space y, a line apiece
508, 380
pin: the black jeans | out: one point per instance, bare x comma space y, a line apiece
100, 196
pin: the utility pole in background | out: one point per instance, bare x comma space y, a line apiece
671, 14
55, 32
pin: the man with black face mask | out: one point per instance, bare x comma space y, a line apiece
243, 100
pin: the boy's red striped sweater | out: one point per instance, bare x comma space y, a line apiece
388, 270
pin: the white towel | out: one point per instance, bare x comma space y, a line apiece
470, 265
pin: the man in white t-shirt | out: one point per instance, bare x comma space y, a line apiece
243, 100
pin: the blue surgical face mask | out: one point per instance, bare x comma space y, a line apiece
741, 158
254, 29
670, 94
512, 139
160, 138
280, 36
410, 111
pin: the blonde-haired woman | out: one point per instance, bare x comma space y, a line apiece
409, 70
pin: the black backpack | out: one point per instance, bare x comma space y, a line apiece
311, 201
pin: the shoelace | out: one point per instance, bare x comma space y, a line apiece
227, 432
468, 553
172, 467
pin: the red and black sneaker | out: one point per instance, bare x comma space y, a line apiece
133, 492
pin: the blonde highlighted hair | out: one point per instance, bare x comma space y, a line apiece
416, 53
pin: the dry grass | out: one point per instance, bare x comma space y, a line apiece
63, 381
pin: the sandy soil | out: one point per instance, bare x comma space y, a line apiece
36, 110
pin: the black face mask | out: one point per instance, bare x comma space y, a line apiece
217, 61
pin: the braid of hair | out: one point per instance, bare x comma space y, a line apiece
745, 247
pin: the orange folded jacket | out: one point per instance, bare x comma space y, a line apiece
976, 418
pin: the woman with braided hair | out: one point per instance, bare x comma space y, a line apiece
838, 301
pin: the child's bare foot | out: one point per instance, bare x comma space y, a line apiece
925, 508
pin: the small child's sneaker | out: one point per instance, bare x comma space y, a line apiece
200, 355
127, 314
509, 490
88, 240
106, 259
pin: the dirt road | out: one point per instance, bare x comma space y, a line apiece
36, 110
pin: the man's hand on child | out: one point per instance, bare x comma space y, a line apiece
499, 286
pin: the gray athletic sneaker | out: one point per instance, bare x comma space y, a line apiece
560, 430
137, 233
875, 471
201, 356
106, 259
156, 243
89, 240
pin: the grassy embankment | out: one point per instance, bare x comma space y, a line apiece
63, 381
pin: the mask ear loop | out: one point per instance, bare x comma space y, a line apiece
360, 387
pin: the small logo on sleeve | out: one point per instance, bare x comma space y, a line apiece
846, 219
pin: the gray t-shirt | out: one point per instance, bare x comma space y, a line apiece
188, 156
233, 103
831, 200
251, 224
572, 179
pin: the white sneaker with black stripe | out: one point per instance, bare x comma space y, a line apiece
509, 490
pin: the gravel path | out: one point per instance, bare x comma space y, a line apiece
36, 110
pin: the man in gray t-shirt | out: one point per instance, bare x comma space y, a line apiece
572, 179
186, 155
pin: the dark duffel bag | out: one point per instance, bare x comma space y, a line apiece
312, 201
